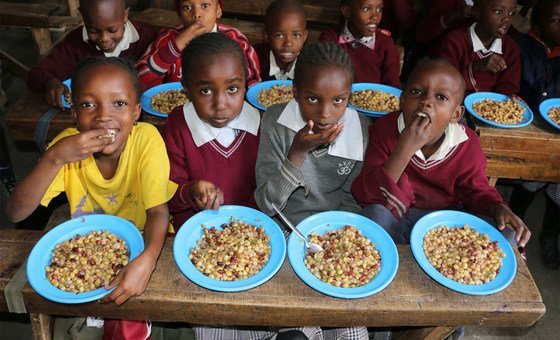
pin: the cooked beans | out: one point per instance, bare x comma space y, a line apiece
374, 100
502, 112
166, 101
348, 260
554, 114
275, 95
87, 262
238, 251
463, 254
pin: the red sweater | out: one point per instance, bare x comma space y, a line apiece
162, 61
231, 169
62, 61
457, 47
380, 65
458, 179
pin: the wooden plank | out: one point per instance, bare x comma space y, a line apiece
13, 65
42, 41
73, 8
27, 15
42, 326
426, 333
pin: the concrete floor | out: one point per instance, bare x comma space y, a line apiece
18, 43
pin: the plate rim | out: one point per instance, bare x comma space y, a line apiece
253, 91
146, 97
377, 86
68, 83
544, 106
478, 96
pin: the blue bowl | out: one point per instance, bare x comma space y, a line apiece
478, 96
68, 83
146, 98
547, 105
253, 91
376, 87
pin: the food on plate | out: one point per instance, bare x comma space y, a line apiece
348, 260
275, 95
236, 252
463, 254
87, 262
502, 112
166, 101
554, 114
374, 100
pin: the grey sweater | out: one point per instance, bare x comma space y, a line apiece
321, 184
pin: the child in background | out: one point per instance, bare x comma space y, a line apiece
212, 141
374, 55
284, 35
162, 61
487, 58
126, 174
415, 162
106, 31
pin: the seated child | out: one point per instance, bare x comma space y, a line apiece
419, 159
284, 35
106, 31
162, 61
126, 175
312, 147
487, 58
374, 55
212, 141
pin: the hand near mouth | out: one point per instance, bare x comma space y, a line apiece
306, 140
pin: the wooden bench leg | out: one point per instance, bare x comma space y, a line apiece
427, 333
42, 40
492, 181
42, 325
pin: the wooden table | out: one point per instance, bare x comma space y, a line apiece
412, 299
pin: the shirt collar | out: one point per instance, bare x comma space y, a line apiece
348, 144
202, 132
454, 135
130, 36
277, 72
347, 37
478, 46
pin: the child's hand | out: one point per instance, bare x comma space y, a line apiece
206, 195
305, 140
130, 281
494, 63
189, 33
77, 147
54, 92
415, 136
506, 218
515, 98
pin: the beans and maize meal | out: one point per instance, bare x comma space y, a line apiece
463, 254
373, 100
275, 95
348, 260
87, 262
554, 114
238, 251
502, 112
166, 101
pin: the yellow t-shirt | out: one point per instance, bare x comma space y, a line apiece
140, 182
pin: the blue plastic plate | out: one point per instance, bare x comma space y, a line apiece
451, 218
253, 91
333, 220
478, 96
68, 83
40, 256
376, 87
191, 232
547, 105
146, 98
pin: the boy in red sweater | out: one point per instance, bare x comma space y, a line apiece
373, 53
420, 159
162, 61
106, 31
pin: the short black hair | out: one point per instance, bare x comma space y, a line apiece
321, 53
281, 6
542, 11
206, 45
86, 4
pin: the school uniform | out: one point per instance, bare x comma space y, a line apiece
268, 66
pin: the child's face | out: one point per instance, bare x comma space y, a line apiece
550, 28
216, 87
322, 95
494, 18
104, 23
436, 92
363, 16
105, 98
286, 35
207, 11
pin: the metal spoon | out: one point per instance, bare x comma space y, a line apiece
311, 248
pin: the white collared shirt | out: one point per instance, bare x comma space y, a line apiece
348, 144
454, 135
277, 72
478, 46
347, 37
248, 120
130, 36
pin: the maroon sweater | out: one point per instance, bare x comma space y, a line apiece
457, 47
380, 65
62, 61
231, 169
458, 179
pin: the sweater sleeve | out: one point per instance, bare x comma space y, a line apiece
158, 59
433, 24
390, 69
454, 49
509, 79
329, 34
